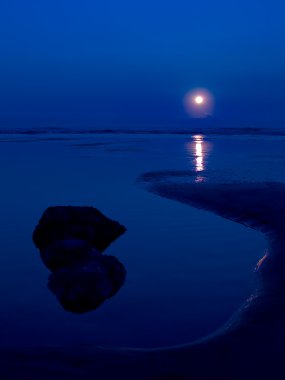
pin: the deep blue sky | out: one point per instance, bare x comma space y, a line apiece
111, 62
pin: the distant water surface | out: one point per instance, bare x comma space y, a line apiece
188, 270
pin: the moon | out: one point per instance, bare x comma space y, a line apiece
199, 99
199, 103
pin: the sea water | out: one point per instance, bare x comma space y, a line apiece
188, 270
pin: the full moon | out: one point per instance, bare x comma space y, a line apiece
199, 99
199, 103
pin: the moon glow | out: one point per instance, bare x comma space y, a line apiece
199, 103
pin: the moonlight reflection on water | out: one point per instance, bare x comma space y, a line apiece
198, 150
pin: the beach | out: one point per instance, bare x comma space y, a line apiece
191, 290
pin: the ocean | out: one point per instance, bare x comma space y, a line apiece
188, 270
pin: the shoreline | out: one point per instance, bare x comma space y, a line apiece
251, 345
256, 331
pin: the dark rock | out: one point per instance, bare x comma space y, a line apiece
76, 223
71, 241
65, 253
84, 287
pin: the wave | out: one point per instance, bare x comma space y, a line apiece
224, 131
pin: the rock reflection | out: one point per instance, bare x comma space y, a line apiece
71, 241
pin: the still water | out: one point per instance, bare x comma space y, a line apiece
187, 270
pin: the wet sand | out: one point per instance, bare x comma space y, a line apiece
252, 344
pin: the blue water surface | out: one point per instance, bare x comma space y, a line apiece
188, 270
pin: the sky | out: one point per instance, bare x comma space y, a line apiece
112, 63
